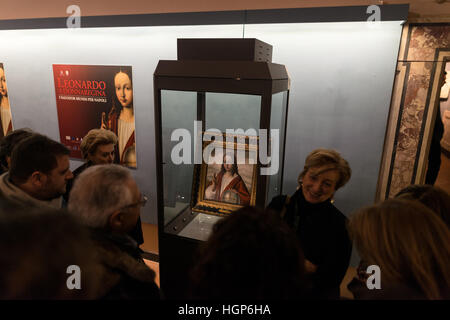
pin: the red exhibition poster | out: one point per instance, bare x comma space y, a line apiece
96, 97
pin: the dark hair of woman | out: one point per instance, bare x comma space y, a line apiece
251, 254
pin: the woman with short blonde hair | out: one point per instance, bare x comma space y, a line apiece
327, 160
409, 243
319, 225
94, 138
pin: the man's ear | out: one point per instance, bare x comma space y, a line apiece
116, 221
38, 179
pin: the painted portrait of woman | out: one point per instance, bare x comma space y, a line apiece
228, 185
5, 109
120, 118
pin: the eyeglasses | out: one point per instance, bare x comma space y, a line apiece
141, 202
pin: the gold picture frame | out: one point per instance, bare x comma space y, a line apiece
229, 184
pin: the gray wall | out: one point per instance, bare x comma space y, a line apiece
29, 55
341, 82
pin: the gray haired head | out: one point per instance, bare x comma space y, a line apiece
98, 192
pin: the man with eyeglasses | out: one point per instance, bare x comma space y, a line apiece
107, 199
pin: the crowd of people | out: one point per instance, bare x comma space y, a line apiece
54, 222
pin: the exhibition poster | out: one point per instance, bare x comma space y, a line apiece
96, 97
5, 108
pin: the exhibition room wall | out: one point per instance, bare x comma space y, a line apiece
341, 83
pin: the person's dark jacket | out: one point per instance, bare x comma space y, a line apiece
135, 233
75, 173
124, 273
322, 232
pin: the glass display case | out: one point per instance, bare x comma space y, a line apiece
220, 118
